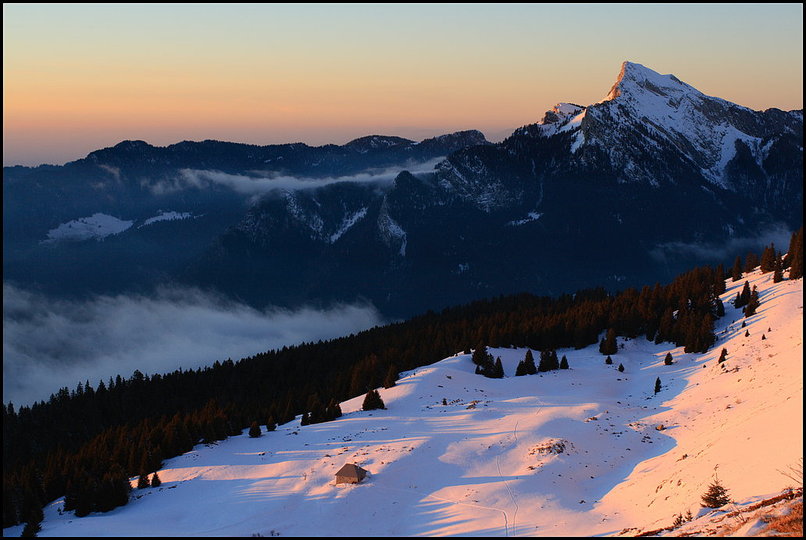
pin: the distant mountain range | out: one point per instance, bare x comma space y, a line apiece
625, 191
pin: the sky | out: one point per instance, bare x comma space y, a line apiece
78, 77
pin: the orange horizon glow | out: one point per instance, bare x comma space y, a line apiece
82, 77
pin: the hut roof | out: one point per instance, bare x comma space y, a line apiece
352, 470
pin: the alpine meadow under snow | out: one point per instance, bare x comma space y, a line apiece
590, 450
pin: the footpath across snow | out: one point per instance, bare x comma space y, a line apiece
578, 452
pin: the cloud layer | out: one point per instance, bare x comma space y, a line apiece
50, 344
260, 183
726, 251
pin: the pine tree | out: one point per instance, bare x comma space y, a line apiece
778, 271
723, 355
608, 360
657, 385
529, 363
564, 363
608, 343
391, 376
254, 430
719, 308
480, 355
716, 496
736, 272
668, 360
743, 297
333, 409
142, 481
555, 362
548, 361
499, 369
271, 425
767, 263
751, 261
155, 480
520, 370
621, 368
753, 303
795, 255
373, 401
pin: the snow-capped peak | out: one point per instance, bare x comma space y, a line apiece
648, 113
637, 78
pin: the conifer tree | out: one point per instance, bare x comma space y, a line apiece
743, 297
498, 373
520, 370
778, 271
795, 255
719, 280
271, 425
621, 368
657, 385
254, 430
529, 363
736, 271
373, 401
480, 356
608, 343
723, 355
752, 303
391, 376
608, 360
767, 263
155, 480
142, 481
564, 363
668, 360
750, 262
333, 410
719, 308
716, 496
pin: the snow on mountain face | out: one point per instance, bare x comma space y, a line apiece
97, 226
166, 216
580, 452
670, 114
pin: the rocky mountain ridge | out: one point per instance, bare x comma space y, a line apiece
624, 191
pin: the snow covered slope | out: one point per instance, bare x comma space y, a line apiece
569, 452
97, 226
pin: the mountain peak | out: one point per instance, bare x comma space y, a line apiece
638, 78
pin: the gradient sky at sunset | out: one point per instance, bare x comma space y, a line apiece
82, 77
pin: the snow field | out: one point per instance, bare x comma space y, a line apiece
569, 452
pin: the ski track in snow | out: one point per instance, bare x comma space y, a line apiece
570, 452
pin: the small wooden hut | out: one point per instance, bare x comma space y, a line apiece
350, 473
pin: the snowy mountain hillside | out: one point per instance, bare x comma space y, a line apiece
590, 450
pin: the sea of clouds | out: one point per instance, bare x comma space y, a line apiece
49, 344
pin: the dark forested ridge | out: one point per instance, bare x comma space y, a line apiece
86, 443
